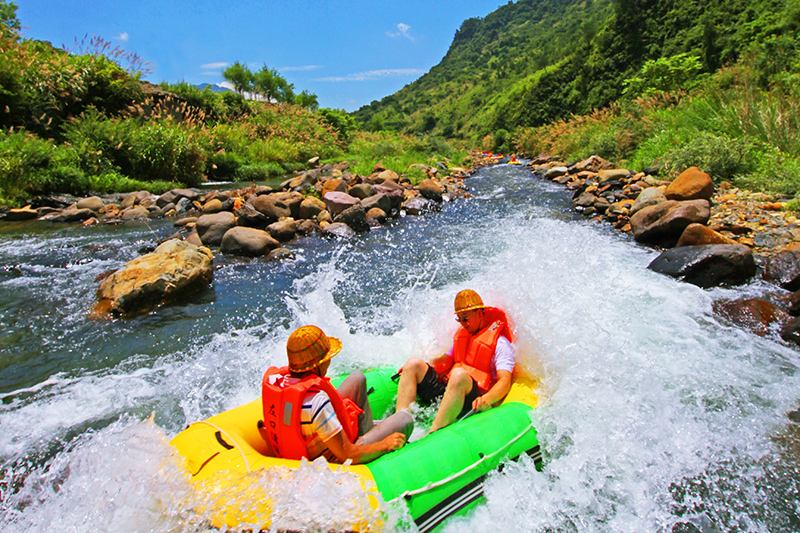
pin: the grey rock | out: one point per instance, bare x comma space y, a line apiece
418, 206
211, 228
664, 223
555, 172
380, 201
339, 229
648, 197
355, 217
283, 230
337, 202
784, 269
251, 242
708, 265
271, 206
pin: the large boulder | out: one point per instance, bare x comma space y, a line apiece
791, 331
283, 230
784, 269
754, 314
174, 268
311, 207
395, 194
292, 200
698, 234
251, 242
271, 206
648, 197
612, 174
431, 189
386, 175
355, 217
300, 182
555, 172
594, 163
664, 223
334, 184
337, 202
136, 212
212, 206
706, 266
211, 228
95, 203
691, 184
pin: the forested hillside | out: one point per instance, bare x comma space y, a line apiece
534, 61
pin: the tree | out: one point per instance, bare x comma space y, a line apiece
307, 100
265, 83
8, 17
240, 76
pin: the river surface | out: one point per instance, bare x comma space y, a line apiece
653, 413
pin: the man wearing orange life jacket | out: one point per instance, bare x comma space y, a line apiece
475, 375
305, 416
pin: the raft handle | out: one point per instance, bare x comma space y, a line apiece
222, 442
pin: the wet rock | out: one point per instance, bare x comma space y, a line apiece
69, 215
211, 228
791, 331
131, 199
193, 238
706, 266
784, 269
174, 268
664, 223
280, 253
339, 201
691, 184
251, 242
431, 189
292, 200
22, 213
307, 227
95, 203
601, 205
585, 199
648, 197
362, 190
324, 216
698, 234
183, 205
300, 183
338, 229
355, 217
793, 303
395, 196
387, 175
311, 207
376, 216
54, 201
134, 213
753, 314
418, 206
90, 222
283, 230
271, 206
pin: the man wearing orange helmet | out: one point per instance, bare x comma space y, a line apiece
474, 375
305, 416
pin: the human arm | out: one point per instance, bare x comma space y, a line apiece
343, 449
495, 394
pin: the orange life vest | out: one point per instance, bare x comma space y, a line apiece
283, 402
474, 353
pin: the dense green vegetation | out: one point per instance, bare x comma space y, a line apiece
627, 79
81, 123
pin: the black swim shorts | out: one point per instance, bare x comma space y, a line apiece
430, 388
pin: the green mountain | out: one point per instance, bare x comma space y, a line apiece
533, 61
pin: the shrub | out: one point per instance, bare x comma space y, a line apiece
260, 172
223, 165
663, 74
165, 151
721, 156
341, 121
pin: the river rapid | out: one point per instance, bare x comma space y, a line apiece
653, 412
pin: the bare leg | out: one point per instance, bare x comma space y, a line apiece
458, 386
413, 372
401, 422
355, 388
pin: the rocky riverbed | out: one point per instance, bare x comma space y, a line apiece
710, 236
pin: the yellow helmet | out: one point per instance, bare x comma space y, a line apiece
308, 347
467, 300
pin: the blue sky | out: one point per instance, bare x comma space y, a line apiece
347, 52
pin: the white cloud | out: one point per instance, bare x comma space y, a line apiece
215, 65
300, 68
123, 37
403, 31
375, 74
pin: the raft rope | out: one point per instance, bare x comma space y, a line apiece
235, 444
436, 484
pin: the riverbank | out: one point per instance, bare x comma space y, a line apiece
708, 233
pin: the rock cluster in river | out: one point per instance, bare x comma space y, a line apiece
254, 221
709, 233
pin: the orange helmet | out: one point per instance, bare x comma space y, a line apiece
309, 347
467, 300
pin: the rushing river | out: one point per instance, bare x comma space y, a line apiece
653, 412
